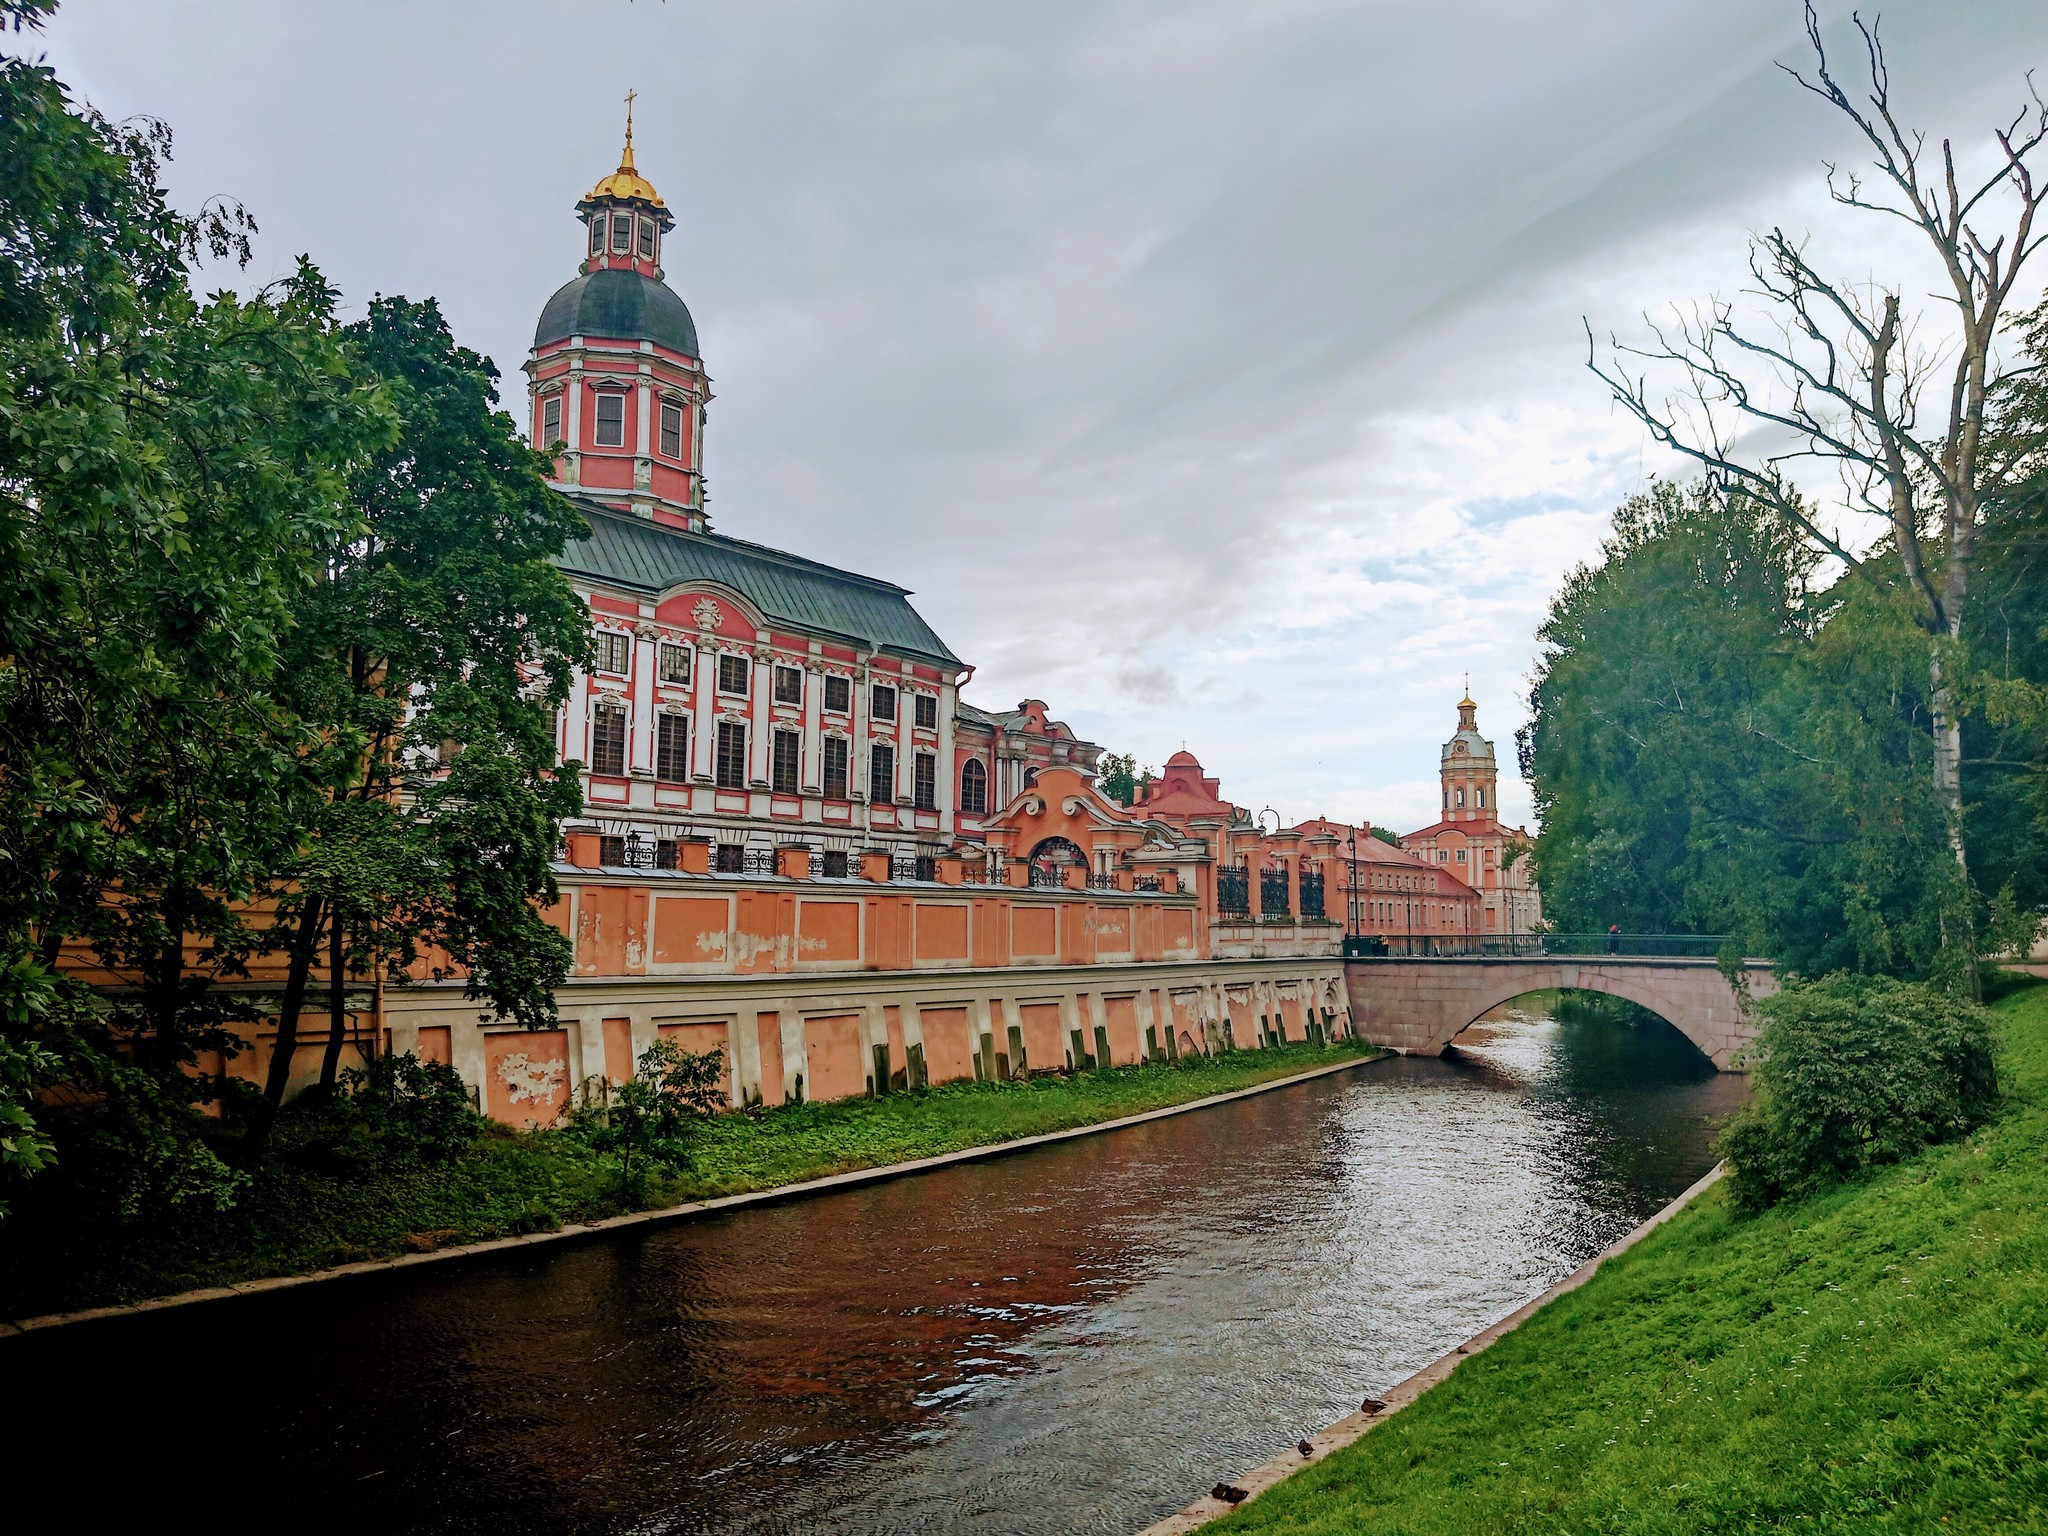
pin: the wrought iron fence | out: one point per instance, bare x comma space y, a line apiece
1147, 883
1102, 882
632, 851
1312, 895
1273, 892
1677, 946
1048, 878
1233, 890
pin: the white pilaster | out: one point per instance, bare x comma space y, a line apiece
640, 744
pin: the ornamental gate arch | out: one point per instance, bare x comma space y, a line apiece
1418, 1006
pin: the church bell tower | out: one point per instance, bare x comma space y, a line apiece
615, 377
1469, 775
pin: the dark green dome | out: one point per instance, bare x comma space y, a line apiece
621, 305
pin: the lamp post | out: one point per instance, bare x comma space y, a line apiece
1351, 912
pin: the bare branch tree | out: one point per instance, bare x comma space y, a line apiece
1835, 372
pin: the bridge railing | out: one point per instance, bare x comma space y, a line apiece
1507, 946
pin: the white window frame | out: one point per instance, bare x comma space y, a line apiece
610, 643
597, 424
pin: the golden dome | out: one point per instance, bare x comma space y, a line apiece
626, 183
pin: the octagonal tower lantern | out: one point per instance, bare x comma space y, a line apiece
615, 380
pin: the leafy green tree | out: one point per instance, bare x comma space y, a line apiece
651, 1115
1118, 776
1391, 839
169, 468
1715, 745
429, 659
2006, 734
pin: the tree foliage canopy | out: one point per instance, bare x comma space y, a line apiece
280, 635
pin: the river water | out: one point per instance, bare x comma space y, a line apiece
1079, 1338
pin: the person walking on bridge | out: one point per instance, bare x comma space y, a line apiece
1614, 938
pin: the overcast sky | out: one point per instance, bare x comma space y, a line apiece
1211, 369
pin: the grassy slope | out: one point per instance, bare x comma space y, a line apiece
299, 1218
1869, 1361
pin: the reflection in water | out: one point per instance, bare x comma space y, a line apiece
1075, 1339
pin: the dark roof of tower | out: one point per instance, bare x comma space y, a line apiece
632, 552
621, 305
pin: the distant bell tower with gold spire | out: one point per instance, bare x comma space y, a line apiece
615, 379
1471, 779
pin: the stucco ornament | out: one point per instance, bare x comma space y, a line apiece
706, 613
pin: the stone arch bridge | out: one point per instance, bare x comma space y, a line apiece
1417, 1004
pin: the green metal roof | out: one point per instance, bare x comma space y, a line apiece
618, 304
642, 556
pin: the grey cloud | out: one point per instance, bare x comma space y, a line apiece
1107, 328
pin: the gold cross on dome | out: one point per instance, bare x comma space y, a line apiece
629, 115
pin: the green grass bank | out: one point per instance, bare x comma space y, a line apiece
1872, 1360
303, 1214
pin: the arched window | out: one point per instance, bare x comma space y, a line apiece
974, 788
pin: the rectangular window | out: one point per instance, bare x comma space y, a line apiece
614, 652
730, 858
608, 740
611, 420
927, 712
597, 234
835, 767
925, 781
789, 685
622, 233
647, 239
882, 702
838, 694
835, 860
788, 755
732, 755
675, 663
550, 421
732, 675
671, 431
672, 748
881, 773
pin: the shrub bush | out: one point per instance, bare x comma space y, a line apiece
1851, 1072
396, 1110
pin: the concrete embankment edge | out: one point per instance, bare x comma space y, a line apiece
692, 1209
1342, 1433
